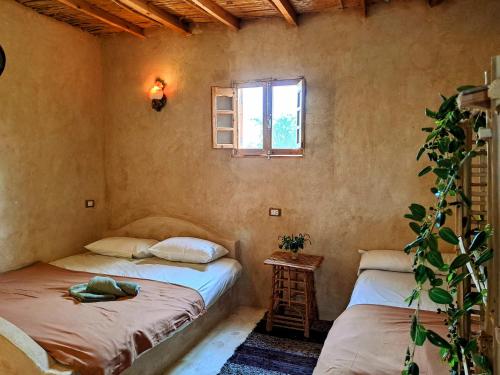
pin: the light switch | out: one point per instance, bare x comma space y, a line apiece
89, 203
275, 212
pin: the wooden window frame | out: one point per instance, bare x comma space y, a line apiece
267, 151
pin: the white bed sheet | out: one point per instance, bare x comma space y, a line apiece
387, 288
210, 280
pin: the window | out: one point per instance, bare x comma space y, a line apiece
260, 118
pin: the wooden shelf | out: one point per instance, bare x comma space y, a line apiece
476, 98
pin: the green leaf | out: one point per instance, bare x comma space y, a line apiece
432, 242
440, 296
424, 171
478, 240
484, 257
413, 369
437, 282
448, 235
458, 279
420, 274
415, 294
418, 211
414, 227
420, 152
437, 340
436, 259
441, 172
420, 335
430, 113
459, 261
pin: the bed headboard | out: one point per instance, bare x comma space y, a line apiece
162, 227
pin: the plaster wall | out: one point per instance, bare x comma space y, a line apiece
368, 82
51, 138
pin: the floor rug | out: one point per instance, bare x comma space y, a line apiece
279, 352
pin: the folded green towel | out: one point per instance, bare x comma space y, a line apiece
104, 285
129, 287
101, 288
79, 292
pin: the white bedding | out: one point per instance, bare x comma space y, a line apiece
387, 288
210, 280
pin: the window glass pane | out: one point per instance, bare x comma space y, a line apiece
251, 131
224, 137
286, 133
224, 121
224, 103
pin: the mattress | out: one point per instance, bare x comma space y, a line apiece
211, 280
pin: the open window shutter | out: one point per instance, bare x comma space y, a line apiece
224, 117
300, 112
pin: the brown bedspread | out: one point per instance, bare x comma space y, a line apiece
372, 339
93, 338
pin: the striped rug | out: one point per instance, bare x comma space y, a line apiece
280, 352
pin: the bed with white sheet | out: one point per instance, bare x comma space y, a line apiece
19, 354
372, 334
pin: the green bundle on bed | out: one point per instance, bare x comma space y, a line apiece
101, 288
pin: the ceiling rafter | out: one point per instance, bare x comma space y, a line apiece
103, 16
157, 14
216, 11
286, 10
364, 8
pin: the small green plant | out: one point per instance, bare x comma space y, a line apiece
294, 243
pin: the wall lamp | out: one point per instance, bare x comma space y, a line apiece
157, 95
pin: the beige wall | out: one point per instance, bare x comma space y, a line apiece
51, 138
368, 82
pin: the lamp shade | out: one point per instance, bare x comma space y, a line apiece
156, 92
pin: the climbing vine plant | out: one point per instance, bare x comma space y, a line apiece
447, 150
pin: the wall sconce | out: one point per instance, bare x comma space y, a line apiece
157, 95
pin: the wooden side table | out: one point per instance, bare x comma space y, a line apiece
293, 299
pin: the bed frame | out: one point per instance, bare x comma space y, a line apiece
21, 355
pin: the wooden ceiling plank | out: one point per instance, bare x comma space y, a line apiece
102, 15
157, 14
216, 11
286, 10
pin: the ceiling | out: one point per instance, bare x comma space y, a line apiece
103, 17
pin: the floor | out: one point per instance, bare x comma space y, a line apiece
208, 357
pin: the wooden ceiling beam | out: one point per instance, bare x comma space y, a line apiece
216, 11
157, 14
364, 8
103, 16
286, 10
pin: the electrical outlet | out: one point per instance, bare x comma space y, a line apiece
275, 212
89, 203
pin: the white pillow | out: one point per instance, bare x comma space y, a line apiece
393, 260
188, 250
122, 247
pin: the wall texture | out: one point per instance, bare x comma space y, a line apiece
51, 138
368, 81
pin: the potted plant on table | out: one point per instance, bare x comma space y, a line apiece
294, 243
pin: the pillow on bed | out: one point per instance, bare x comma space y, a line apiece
122, 247
188, 250
392, 260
